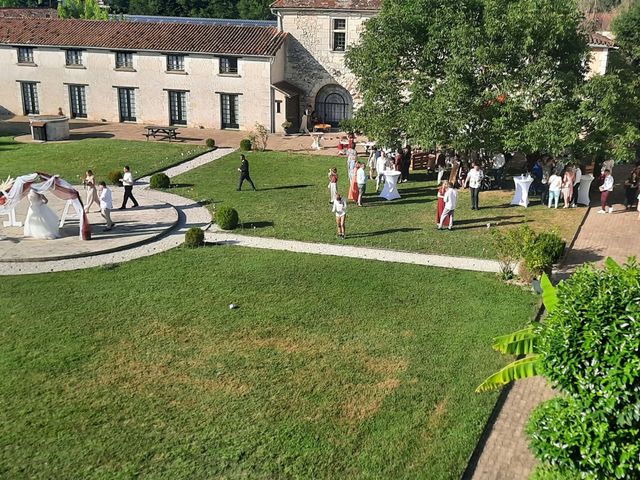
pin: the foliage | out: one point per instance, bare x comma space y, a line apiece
470, 74
245, 145
194, 237
286, 124
227, 218
89, 9
589, 346
249, 9
160, 180
546, 250
114, 177
210, 143
261, 137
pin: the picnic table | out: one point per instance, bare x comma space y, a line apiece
165, 132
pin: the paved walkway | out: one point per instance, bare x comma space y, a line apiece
459, 263
504, 450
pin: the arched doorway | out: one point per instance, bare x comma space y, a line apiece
333, 104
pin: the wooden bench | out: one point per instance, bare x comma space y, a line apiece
164, 132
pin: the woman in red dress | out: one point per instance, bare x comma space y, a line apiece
353, 187
441, 192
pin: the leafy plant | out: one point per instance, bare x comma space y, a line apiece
115, 177
589, 351
227, 218
210, 143
245, 145
194, 237
546, 249
160, 180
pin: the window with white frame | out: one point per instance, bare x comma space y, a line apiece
339, 34
175, 63
228, 65
73, 57
25, 55
124, 60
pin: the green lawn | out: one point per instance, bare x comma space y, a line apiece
71, 159
331, 367
292, 203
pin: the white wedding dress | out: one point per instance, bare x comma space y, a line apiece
41, 221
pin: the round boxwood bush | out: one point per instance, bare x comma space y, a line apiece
589, 352
194, 237
114, 177
160, 180
227, 218
210, 143
245, 145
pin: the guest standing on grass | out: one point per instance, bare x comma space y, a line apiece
333, 184
244, 173
605, 193
450, 204
631, 188
567, 186
92, 191
474, 182
106, 205
406, 164
576, 184
353, 184
441, 192
441, 166
352, 159
381, 165
127, 183
361, 178
555, 186
340, 209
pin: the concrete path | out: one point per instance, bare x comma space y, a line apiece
459, 263
191, 164
503, 452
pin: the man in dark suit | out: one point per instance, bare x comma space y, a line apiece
244, 173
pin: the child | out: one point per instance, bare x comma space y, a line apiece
450, 204
340, 209
333, 185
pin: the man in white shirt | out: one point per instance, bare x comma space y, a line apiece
450, 204
474, 182
576, 184
106, 204
381, 166
127, 182
605, 192
361, 180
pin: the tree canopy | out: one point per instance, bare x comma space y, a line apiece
494, 74
89, 9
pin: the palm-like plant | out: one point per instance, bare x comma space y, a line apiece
522, 342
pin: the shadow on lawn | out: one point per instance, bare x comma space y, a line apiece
256, 225
384, 232
483, 221
286, 187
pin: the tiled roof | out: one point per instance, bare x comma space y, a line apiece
373, 5
28, 13
160, 37
600, 40
287, 89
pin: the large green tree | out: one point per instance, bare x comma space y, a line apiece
471, 74
89, 9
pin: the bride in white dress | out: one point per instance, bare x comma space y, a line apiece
41, 221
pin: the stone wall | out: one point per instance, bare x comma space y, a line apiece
311, 61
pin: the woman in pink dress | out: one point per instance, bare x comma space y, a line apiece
441, 192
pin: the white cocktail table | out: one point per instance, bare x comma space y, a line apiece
390, 190
521, 197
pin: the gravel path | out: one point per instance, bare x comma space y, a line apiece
459, 263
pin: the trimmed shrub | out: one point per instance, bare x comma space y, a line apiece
115, 177
227, 218
194, 237
210, 143
589, 351
160, 180
546, 249
245, 145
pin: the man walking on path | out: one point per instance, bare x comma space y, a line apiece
606, 189
244, 173
474, 182
127, 182
106, 205
450, 203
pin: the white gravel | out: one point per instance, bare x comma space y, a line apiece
459, 263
